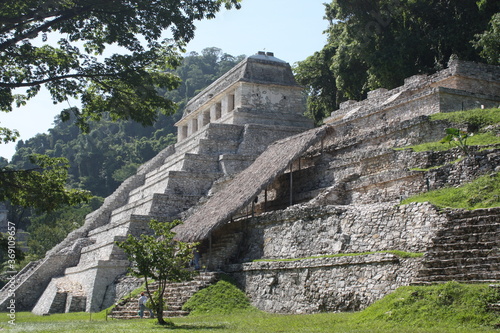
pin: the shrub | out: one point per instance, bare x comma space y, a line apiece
221, 298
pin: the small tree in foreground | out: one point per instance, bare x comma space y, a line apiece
159, 257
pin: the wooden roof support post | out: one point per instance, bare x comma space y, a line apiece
291, 184
209, 250
265, 200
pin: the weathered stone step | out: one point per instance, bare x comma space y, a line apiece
461, 254
486, 277
176, 294
457, 269
475, 216
484, 263
482, 235
461, 246
489, 224
425, 282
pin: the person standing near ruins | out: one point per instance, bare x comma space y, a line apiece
142, 306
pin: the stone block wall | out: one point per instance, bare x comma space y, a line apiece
324, 284
459, 244
327, 282
301, 231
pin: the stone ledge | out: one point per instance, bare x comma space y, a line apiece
97, 246
376, 258
98, 264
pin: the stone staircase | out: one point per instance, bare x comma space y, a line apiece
176, 294
466, 249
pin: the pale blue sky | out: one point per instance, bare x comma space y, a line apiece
292, 29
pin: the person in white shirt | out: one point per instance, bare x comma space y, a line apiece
142, 306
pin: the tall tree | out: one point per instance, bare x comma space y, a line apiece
78, 64
316, 74
489, 41
125, 85
378, 43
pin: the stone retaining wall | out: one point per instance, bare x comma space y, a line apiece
324, 284
299, 231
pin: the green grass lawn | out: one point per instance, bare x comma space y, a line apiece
451, 307
244, 322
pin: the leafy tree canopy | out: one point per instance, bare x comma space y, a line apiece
374, 44
489, 41
41, 187
111, 151
121, 86
125, 85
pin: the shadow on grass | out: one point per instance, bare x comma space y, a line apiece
191, 327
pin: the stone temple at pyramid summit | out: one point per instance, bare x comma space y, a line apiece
253, 179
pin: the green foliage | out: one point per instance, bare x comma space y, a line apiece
200, 70
482, 139
458, 138
10, 258
8, 135
368, 42
221, 298
159, 257
125, 172
41, 187
450, 304
315, 74
489, 41
76, 65
484, 192
474, 119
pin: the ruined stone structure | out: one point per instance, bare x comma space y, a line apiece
222, 131
310, 196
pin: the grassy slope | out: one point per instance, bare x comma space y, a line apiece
477, 121
484, 192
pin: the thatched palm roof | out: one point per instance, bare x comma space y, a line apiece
246, 185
